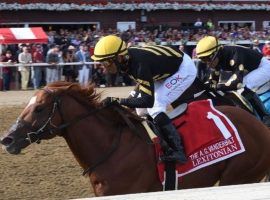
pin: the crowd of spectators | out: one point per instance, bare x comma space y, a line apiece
67, 45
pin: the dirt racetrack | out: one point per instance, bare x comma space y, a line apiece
42, 171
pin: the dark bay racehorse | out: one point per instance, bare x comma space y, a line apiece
113, 148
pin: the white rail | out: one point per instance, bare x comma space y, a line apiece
45, 64
6, 64
258, 191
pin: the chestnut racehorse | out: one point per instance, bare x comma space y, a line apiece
113, 148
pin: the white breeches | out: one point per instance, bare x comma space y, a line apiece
170, 89
259, 76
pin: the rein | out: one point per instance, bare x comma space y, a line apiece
214, 93
106, 155
116, 140
131, 125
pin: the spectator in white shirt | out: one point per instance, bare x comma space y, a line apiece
25, 58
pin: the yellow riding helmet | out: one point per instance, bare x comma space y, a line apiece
207, 46
109, 47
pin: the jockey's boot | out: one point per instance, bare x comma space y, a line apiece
255, 101
170, 134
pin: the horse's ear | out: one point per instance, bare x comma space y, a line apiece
73, 85
48, 89
65, 87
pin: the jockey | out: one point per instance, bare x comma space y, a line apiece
238, 60
162, 74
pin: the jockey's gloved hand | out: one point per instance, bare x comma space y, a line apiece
206, 84
111, 100
221, 86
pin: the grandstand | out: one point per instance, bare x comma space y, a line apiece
69, 22
106, 13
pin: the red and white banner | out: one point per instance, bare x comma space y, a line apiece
22, 35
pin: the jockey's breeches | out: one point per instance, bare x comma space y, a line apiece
259, 76
170, 89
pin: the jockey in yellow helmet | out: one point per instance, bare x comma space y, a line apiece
249, 68
109, 47
162, 73
207, 49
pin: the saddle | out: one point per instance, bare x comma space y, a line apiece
264, 94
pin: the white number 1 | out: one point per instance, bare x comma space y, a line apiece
225, 132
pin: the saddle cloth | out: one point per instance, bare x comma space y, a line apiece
265, 98
208, 137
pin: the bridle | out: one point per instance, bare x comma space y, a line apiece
48, 128
36, 136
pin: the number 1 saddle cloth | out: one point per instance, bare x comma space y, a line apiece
208, 137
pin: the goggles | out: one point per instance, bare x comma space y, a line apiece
106, 63
209, 59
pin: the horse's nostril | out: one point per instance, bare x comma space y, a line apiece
6, 141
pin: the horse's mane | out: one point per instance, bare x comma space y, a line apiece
87, 94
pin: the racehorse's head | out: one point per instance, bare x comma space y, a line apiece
43, 117
39, 120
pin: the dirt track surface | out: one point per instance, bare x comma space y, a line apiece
42, 171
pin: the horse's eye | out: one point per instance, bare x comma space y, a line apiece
38, 109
